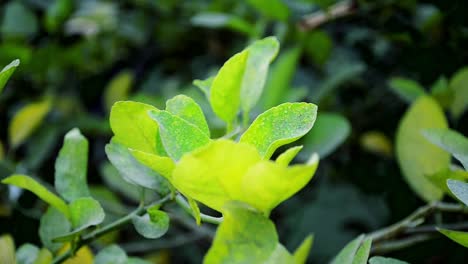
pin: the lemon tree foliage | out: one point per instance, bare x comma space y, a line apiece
170, 152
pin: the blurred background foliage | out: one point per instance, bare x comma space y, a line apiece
360, 61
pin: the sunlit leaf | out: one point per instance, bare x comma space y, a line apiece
440, 178
346, 255
85, 212
458, 84
53, 224
279, 126
286, 157
162, 165
84, 255
195, 210
152, 225
226, 87
26, 120
418, 157
244, 236
32, 185
376, 142
7, 249
362, 255
71, 167
177, 135
407, 89
302, 252
329, 132
112, 254
187, 109
133, 127
451, 141
118, 88
457, 236
6, 73
44, 257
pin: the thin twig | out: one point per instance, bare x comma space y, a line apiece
316, 19
393, 245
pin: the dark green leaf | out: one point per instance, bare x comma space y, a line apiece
407, 89
382, 260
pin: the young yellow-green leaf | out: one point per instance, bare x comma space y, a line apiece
26, 120
302, 252
112, 254
279, 126
44, 256
212, 174
280, 77
457, 236
362, 255
133, 127
6, 73
7, 249
346, 255
162, 165
459, 189
226, 87
187, 109
280, 256
451, 141
330, 130
131, 170
261, 53
177, 135
286, 157
84, 255
382, 260
204, 85
407, 89
440, 178
26, 254
152, 225
458, 84
85, 212
118, 88
376, 142
71, 167
195, 210
267, 184
32, 185
275, 9
418, 157
53, 224
244, 236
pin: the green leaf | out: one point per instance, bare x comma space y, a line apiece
26, 254
244, 236
362, 255
260, 55
131, 170
85, 212
407, 89
457, 236
7, 249
44, 257
274, 9
330, 131
177, 135
204, 85
18, 21
346, 255
118, 88
6, 73
152, 225
280, 256
133, 127
318, 45
280, 77
112, 254
226, 87
57, 13
459, 189
376, 142
162, 165
458, 84
134, 260
418, 157
440, 178
26, 120
302, 252
32, 185
442, 92
195, 210
222, 20
286, 157
279, 126
451, 141
53, 224
382, 260
187, 109
71, 167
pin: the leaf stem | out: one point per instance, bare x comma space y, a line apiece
180, 200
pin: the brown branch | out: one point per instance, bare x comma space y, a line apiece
316, 19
